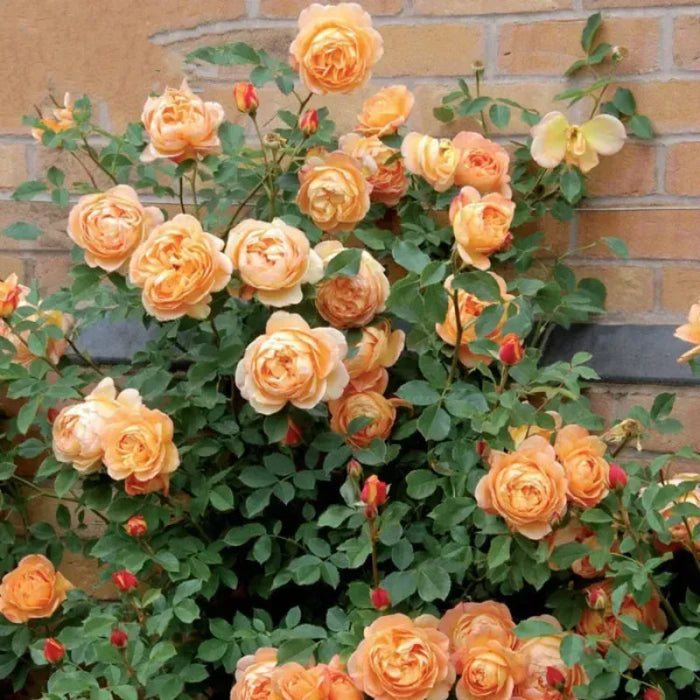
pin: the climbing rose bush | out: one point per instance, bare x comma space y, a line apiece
339, 464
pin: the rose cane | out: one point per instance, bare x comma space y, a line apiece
373, 495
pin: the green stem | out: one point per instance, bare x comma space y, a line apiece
268, 169
92, 154
458, 343
180, 195
193, 183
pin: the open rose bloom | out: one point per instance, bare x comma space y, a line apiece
690, 333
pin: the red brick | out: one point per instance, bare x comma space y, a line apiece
52, 272
686, 42
292, 8
680, 287
486, 7
602, 4
683, 168
48, 217
629, 288
629, 172
672, 106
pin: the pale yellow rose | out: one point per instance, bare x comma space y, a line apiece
62, 120
336, 47
554, 140
435, 160
178, 267
378, 348
385, 111
253, 675
467, 620
110, 225
180, 125
292, 362
690, 333
483, 164
273, 259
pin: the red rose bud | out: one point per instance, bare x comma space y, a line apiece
354, 469
482, 447
370, 512
118, 638
511, 350
653, 694
52, 414
293, 436
54, 651
374, 491
618, 476
597, 599
246, 97
136, 526
380, 598
309, 122
555, 678
124, 580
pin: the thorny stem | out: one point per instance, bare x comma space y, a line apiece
85, 358
180, 195
373, 536
86, 169
193, 182
484, 123
94, 158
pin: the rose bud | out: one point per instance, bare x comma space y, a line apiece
555, 678
246, 97
52, 414
374, 491
124, 580
354, 469
596, 598
136, 526
293, 435
118, 638
617, 476
9, 294
54, 651
511, 350
653, 694
309, 122
482, 448
370, 512
380, 598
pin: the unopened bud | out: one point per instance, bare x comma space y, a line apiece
380, 598
653, 694
246, 97
54, 651
374, 491
597, 598
124, 580
619, 53
136, 526
354, 469
477, 67
293, 434
482, 448
617, 476
309, 122
52, 414
511, 350
118, 638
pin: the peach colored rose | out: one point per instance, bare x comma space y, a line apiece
470, 308
527, 488
690, 333
292, 681
137, 487
435, 160
677, 526
294, 363
273, 259
587, 472
180, 125
388, 179
574, 531
489, 670
110, 225
378, 348
253, 675
62, 120
178, 267
138, 441
385, 111
32, 590
521, 432
483, 164
341, 685
351, 302
333, 191
369, 404
10, 291
468, 620
403, 658
481, 225
336, 47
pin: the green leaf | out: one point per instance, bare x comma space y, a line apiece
662, 406
221, 497
452, 511
535, 628
434, 423
22, 231
419, 393
27, 413
624, 101
571, 183
276, 426
443, 114
499, 551
7, 469
257, 477
65, 481
481, 284
617, 246
572, 649
433, 582
28, 190
640, 126
401, 584
211, 650
409, 256
421, 483
590, 30
232, 138
299, 650
344, 264
499, 115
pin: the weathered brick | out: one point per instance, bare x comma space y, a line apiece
603, 402
686, 42
483, 7
602, 4
683, 168
557, 234
672, 106
13, 164
10, 264
629, 172
550, 47
52, 272
73, 171
48, 217
680, 287
291, 8
629, 288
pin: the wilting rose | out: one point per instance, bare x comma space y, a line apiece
378, 348
388, 179
468, 620
253, 674
527, 488
137, 487
385, 111
110, 225
483, 164
292, 362
10, 291
178, 267
575, 531
180, 125
370, 404
519, 433
62, 120
481, 225
335, 48
138, 441
403, 658
587, 472
435, 160
273, 259
333, 191
32, 590
680, 537
351, 302
690, 333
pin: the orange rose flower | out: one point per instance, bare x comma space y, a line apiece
483, 164
469, 620
527, 488
385, 111
10, 291
679, 532
388, 180
690, 333
587, 472
178, 267
273, 259
519, 433
110, 225
33, 590
62, 120
138, 441
136, 487
403, 658
481, 225
336, 48
435, 160
253, 675
292, 681
333, 191
341, 685
180, 125
574, 531
294, 363
378, 348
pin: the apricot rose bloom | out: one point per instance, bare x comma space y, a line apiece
138, 441
110, 225
292, 362
435, 160
333, 191
690, 333
341, 685
273, 260
587, 473
575, 531
481, 225
403, 658
32, 590
378, 348
554, 140
336, 47
62, 120
527, 488
680, 534
253, 675
519, 433
385, 111
351, 302
483, 164
468, 620
10, 292
178, 267
137, 487
180, 125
